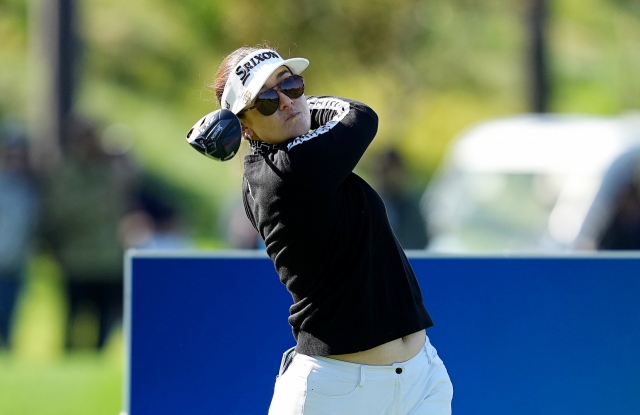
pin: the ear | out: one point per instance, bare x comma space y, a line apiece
247, 132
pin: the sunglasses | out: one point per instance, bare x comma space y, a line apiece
268, 102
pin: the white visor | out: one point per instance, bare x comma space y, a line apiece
250, 75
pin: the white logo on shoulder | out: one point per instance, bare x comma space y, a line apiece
341, 107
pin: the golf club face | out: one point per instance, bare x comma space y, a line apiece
217, 135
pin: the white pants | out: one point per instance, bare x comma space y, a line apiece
315, 385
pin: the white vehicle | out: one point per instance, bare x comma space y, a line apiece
531, 183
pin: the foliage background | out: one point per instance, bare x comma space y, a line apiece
430, 68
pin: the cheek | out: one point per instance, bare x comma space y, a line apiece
303, 126
265, 126
306, 119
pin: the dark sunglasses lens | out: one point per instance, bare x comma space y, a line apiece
293, 86
267, 102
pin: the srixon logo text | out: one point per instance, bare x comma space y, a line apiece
244, 71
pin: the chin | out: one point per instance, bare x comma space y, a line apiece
299, 131
302, 127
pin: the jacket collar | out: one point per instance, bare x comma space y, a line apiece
260, 147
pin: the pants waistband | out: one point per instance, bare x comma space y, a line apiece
349, 370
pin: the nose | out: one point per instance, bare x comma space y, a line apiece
285, 101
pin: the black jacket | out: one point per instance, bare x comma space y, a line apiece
327, 232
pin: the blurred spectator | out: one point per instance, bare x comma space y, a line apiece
87, 196
18, 217
156, 222
238, 230
623, 230
392, 183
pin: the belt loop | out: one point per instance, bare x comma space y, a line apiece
362, 378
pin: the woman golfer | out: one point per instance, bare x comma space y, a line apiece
358, 315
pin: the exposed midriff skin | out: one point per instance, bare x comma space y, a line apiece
395, 351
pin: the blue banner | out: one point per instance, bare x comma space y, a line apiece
518, 335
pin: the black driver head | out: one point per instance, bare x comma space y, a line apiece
217, 135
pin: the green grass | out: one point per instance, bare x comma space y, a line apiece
37, 377
88, 383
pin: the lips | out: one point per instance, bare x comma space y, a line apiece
292, 116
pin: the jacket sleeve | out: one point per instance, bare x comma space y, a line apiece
342, 129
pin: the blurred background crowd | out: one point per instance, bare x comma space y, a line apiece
96, 97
